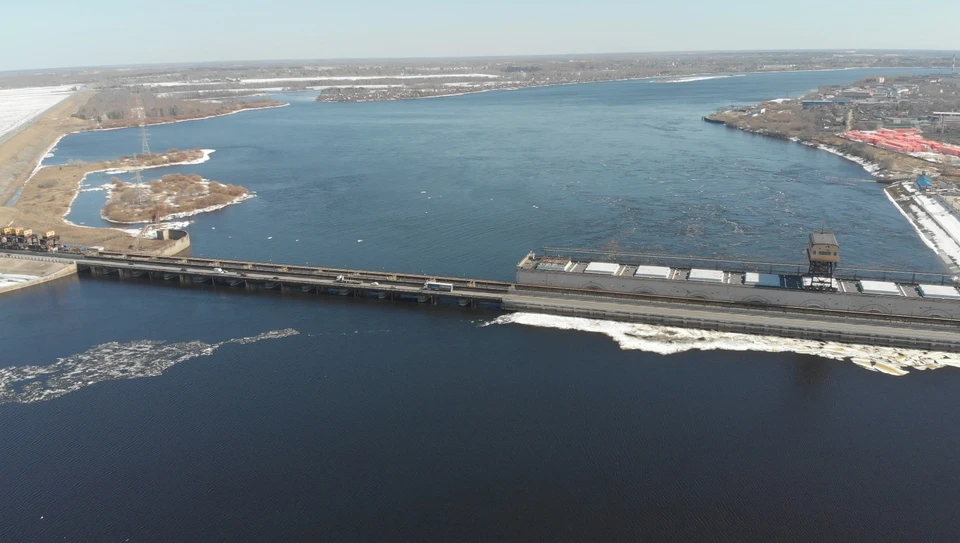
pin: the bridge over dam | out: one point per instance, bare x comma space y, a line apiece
919, 328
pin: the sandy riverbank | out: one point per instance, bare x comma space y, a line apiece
43, 195
47, 197
20, 273
22, 153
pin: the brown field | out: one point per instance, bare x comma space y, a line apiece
174, 193
48, 196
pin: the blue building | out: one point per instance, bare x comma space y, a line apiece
924, 183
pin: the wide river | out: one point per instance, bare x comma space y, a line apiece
130, 410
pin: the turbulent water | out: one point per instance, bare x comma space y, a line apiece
666, 340
377, 420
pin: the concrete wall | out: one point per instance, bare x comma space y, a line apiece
896, 305
181, 243
59, 271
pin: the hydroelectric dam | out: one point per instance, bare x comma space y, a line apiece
869, 307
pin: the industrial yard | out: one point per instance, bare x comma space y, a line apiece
897, 126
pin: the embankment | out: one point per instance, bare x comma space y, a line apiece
34, 271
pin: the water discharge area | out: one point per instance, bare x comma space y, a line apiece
665, 340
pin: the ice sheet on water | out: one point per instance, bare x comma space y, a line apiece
691, 79
667, 340
108, 362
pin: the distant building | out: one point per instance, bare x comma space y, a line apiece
858, 94
924, 183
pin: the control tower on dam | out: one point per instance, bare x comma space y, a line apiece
818, 285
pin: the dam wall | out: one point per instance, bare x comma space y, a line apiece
674, 302
738, 293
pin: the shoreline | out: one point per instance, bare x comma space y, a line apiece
871, 167
204, 158
147, 125
716, 75
185, 214
16, 195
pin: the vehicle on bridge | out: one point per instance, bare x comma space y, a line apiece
441, 287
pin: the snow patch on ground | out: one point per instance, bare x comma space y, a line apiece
365, 77
19, 107
691, 79
871, 167
7, 279
942, 223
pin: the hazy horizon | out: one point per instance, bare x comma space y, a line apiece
111, 33
604, 54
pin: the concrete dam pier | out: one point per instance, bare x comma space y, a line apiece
840, 310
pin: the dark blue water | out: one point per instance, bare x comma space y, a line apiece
385, 421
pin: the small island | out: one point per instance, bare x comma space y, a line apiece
166, 158
172, 196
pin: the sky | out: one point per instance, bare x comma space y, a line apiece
64, 33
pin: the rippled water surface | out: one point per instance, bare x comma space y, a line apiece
162, 413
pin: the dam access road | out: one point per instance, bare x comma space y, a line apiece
904, 331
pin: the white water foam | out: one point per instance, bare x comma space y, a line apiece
665, 340
108, 362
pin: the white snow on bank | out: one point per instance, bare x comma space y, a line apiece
871, 167
941, 223
916, 227
7, 279
208, 209
479, 83
365, 77
126, 169
108, 362
665, 340
693, 78
106, 187
151, 230
19, 107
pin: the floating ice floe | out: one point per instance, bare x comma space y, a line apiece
108, 362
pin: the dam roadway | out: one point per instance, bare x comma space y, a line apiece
904, 331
